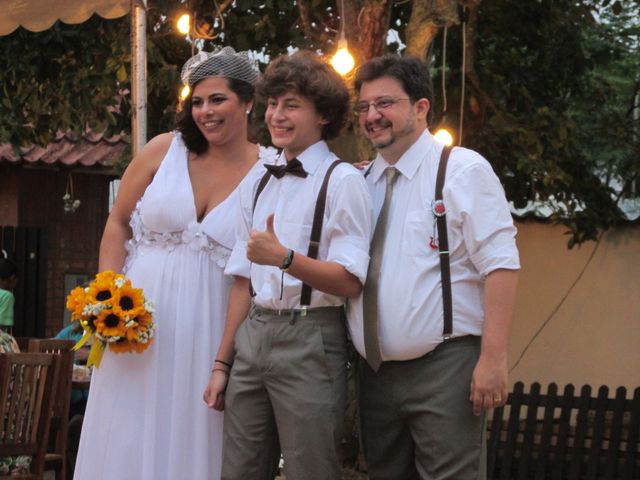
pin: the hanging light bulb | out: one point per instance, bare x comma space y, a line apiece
184, 92
184, 23
444, 136
342, 61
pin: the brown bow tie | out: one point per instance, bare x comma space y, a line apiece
292, 167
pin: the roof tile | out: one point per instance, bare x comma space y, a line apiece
93, 149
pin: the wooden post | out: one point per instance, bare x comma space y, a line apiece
138, 75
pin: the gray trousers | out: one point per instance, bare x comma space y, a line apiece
416, 418
288, 388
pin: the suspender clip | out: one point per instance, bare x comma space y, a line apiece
303, 311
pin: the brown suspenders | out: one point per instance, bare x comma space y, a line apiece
316, 229
443, 243
438, 210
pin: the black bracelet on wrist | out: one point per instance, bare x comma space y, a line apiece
223, 363
288, 260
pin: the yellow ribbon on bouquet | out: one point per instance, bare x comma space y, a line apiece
96, 352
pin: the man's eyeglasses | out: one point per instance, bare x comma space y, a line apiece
381, 104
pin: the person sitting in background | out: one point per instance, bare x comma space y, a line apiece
8, 281
16, 465
74, 331
8, 344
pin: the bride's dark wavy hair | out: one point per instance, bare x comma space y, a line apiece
191, 134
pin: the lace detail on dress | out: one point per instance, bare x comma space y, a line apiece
193, 237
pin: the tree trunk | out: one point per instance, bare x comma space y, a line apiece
427, 18
370, 19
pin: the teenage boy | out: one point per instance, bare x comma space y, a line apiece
436, 317
288, 381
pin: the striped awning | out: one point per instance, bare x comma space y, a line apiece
38, 15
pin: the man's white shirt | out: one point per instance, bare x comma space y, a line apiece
481, 239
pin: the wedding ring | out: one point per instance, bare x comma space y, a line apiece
497, 399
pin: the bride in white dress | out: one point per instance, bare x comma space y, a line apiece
171, 232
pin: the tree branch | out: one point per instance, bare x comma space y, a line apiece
222, 6
305, 18
633, 105
484, 98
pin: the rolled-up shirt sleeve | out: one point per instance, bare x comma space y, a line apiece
349, 225
238, 264
481, 209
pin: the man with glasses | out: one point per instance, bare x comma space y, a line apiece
434, 337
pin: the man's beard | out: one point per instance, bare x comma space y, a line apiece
381, 144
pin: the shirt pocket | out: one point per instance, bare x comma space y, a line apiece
418, 229
294, 235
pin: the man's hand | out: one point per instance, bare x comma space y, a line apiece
362, 164
489, 383
264, 248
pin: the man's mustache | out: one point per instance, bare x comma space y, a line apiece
383, 122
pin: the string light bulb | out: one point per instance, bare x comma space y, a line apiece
342, 61
184, 92
444, 136
184, 23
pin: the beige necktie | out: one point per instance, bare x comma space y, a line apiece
370, 297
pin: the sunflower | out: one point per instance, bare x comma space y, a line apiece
121, 346
126, 346
76, 301
100, 291
108, 276
109, 324
140, 347
128, 301
133, 334
144, 319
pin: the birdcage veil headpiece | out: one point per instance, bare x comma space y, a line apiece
224, 62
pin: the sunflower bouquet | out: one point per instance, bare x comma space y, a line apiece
115, 313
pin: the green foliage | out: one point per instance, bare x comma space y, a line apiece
554, 104
559, 130
61, 79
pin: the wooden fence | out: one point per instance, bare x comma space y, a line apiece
567, 436
27, 246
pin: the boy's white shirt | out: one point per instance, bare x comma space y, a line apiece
346, 230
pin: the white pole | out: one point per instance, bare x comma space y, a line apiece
138, 75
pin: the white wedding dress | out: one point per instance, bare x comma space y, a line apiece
145, 417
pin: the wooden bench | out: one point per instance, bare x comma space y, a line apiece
567, 436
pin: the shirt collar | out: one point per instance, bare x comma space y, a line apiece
410, 160
311, 158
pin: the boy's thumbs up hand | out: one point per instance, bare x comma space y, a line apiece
270, 225
264, 248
